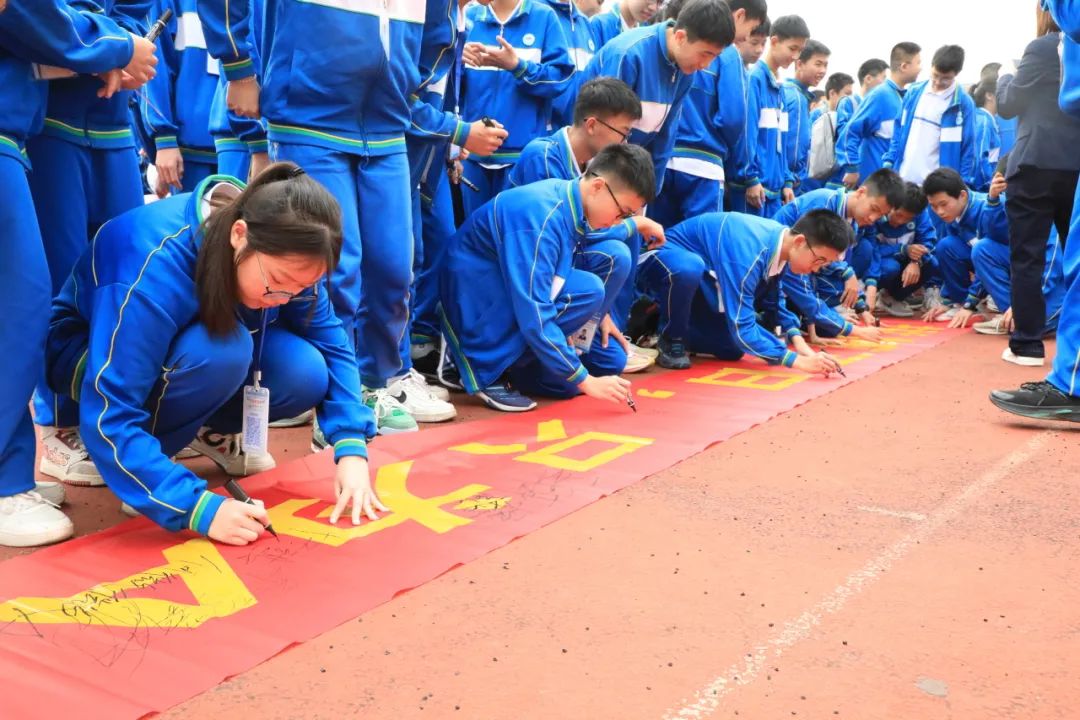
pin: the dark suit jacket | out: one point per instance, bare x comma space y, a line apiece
1045, 137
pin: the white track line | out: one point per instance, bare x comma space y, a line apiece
893, 513
707, 700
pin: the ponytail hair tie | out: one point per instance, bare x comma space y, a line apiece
297, 172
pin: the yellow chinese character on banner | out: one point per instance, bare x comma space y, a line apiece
603, 448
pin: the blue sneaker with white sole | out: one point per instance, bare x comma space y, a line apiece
505, 398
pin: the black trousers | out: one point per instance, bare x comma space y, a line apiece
1035, 200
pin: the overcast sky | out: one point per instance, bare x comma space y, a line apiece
856, 30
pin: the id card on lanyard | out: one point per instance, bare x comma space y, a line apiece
254, 434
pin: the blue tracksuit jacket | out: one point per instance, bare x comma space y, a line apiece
545, 158
129, 296
957, 132
337, 75
713, 115
49, 32
231, 131
582, 48
767, 127
982, 219
503, 271
176, 106
797, 99
834, 274
865, 136
893, 241
741, 256
639, 57
75, 113
521, 99
987, 148
608, 25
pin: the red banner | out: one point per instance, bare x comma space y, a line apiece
134, 620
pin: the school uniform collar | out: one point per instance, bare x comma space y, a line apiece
769, 73
805, 89
967, 217
899, 90
563, 138
194, 210
523, 8
776, 265
577, 209
661, 43
841, 209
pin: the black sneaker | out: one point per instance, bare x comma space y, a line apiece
1038, 400
427, 363
672, 354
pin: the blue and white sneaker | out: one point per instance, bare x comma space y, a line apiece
673, 354
505, 398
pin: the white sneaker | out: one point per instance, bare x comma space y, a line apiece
225, 450
129, 511
300, 420
932, 298
29, 520
948, 314
993, 326
1025, 361
414, 395
888, 305
437, 391
51, 492
637, 362
649, 352
989, 306
65, 458
186, 454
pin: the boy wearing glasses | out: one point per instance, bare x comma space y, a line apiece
838, 283
718, 270
712, 124
604, 114
542, 326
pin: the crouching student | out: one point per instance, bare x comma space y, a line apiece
718, 270
174, 309
969, 217
838, 284
604, 114
903, 260
518, 317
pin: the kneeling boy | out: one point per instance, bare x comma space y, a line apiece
516, 313
717, 270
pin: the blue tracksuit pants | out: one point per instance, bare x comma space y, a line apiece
370, 286
1066, 371
24, 305
234, 163
196, 172
76, 189
891, 277
954, 261
672, 277
437, 227
489, 183
599, 272
203, 385
992, 266
685, 196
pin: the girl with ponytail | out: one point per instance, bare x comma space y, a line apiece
173, 310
